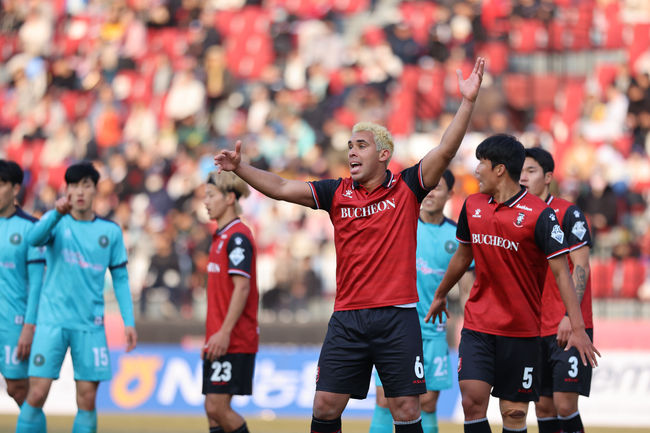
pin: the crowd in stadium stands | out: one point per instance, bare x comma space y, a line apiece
151, 89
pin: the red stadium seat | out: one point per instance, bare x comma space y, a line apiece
496, 54
639, 43
633, 277
517, 90
602, 278
545, 89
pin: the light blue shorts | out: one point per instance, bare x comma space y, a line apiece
437, 365
10, 366
88, 349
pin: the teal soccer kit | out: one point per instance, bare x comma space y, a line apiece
71, 311
21, 275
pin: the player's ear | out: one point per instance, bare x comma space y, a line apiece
548, 177
384, 155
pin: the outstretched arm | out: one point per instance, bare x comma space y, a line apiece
579, 338
458, 265
436, 161
269, 184
40, 234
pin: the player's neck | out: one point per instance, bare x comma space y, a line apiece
375, 181
8, 211
506, 190
228, 216
432, 217
82, 215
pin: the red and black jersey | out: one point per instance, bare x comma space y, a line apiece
576, 231
511, 243
375, 235
232, 252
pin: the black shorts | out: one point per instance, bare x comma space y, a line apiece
563, 371
230, 374
509, 364
388, 337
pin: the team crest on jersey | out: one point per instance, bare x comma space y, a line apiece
450, 247
103, 241
579, 229
477, 213
39, 360
15, 238
520, 219
347, 193
557, 233
236, 256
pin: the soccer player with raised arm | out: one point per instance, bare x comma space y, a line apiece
513, 238
80, 248
375, 214
435, 246
564, 378
21, 275
231, 330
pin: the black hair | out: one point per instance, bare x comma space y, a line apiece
78, 172
11, 172
449, 178
543, 158
503, 149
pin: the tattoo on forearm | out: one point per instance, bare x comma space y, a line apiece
580, 281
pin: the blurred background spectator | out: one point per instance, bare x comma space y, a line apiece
151, 89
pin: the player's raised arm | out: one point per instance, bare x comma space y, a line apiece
458, 265
438, 158
579, 338
269, 184
41, 233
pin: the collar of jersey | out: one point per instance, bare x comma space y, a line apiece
388, 181
227, 226
512, 200
549, 199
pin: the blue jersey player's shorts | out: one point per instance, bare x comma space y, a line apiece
388, 337
10, 366
437, 365
88, 349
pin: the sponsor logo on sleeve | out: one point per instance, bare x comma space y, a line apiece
236, 256
579, 229
557, 234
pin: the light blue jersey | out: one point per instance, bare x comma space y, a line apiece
21, 271
77, 257
436, 245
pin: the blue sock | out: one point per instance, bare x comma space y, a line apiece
382, 420
85, 422
429, 422
31, 419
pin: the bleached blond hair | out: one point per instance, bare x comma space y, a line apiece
383, 138
226, 182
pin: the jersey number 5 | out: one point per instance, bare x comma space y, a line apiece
528, 378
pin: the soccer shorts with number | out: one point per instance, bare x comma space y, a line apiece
510, 364
88, 349
563, 371
437, 365
10, 366
230, 374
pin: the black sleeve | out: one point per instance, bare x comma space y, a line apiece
413, 178
549, 236
575, 228
323, 191
462, 228
240, 255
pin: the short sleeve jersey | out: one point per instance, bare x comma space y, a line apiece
15, 257
232, 252
511, 243
78, 254
437, 244
375, 238
576, 231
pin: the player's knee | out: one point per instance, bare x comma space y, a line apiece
326, 408
544, 408
566, 407
514, 414
428, 404
36, 396
17, 391
86, 400
473, 407
405, 408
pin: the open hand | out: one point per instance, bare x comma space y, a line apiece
587, 350
469, 88
228, 160
438, 306
217, 345
131, 338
